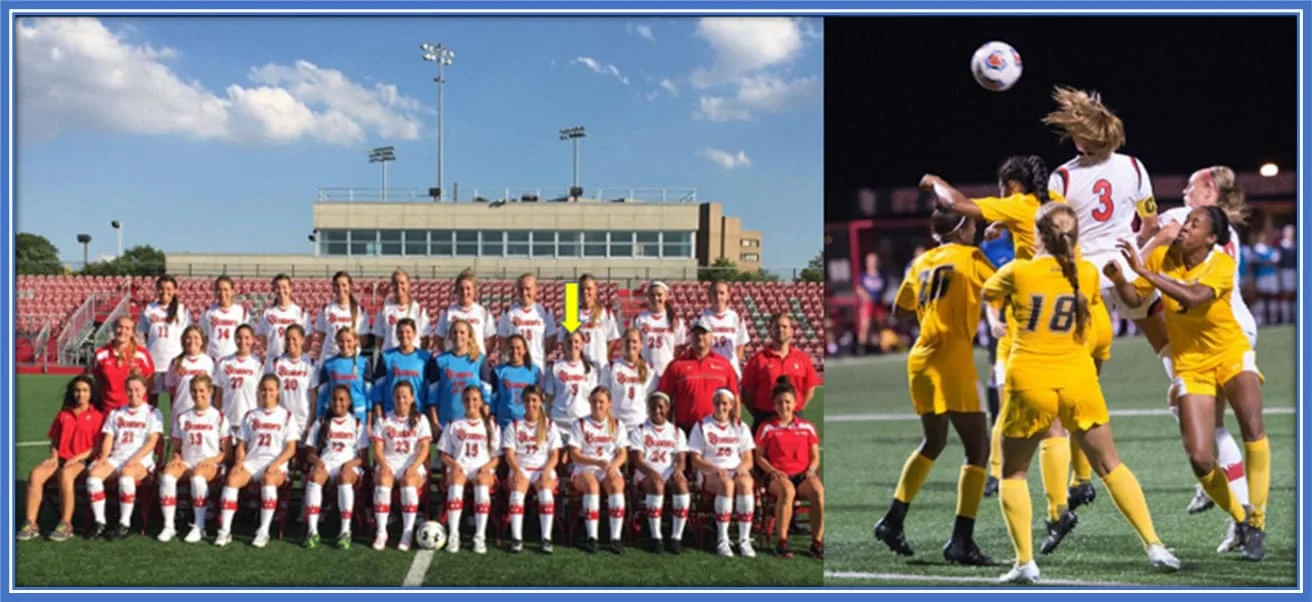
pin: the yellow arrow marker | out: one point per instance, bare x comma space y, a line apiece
571, 321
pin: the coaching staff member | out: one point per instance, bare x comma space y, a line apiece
691, 380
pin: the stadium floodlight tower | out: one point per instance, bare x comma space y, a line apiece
575, 134
443, 56
84, 240
382, 155
118, 231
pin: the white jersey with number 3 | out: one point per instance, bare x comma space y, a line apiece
1105, 197
568, 385
721, 444
266, 433
202, 434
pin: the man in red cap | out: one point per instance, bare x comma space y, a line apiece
691, 380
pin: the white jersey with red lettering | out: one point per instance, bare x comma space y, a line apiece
535, 323
296, 381
1243, 315
220, 327
334, 317
479, 318
628, 391
471, 442
391, 313
721, 444
659, 445
596, 339
238, 379
401, 440
659, 339
178, 380
522, 437
129, 429
273, 327
163, 337
597, 441
202, 434
728, 333
1106, 196
346, 437
266, 433
568, 385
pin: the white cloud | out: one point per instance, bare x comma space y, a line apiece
751, 56
76, 73
600, 68
726, 159
760, 94
641, 30
669, 86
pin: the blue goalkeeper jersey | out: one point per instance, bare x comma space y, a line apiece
396, 367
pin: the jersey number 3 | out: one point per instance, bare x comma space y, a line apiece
1103, 189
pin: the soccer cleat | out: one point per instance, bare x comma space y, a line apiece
724, 549
480, 545
380, 542
1021, 573
547, 548
818, 550
617, 547
1081, 495
407, 538
453, 543
1232, 540
223, 539
261, 539
590, 546
1254, 543
654, 546
121, 532
893, 537
676, 546
1058, 530
1200, 503
62, 532
516, 546
167, 534
27, 533
194, 535
965, 552
344, 541
991, 486
311, 541
1162, 558
97, 531
781, 549
746, 550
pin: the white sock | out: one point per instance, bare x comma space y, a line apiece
723, 514
654, 503
313, 506
382, 507
346, 505
517, 516
591, 512
482, 508
168, 499
746, 506
229, 509
679, 503
546, 512
96, 491
268, 503
455, 504
409, 508
1167, 363
615, 506
127, 499
200, 496
1231, 461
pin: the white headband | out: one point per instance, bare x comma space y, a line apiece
722, 391
939, 239
659, 284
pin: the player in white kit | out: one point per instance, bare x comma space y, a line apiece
529, 319
659, 451
630, 379
401, 440
600, 328
161, 327
728, 331
721, 450
266, 442
344, 312
128, 453
281, 314
296, 377
192, 362
465, 308
567, 384
663, 333
236, 379
397, 307
338, 447
598, 448
220, 320
470, 450
531, 449
201, 438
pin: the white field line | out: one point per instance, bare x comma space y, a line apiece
959, 579
415, 576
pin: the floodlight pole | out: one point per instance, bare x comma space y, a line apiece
574, 134
383, 155
443, 56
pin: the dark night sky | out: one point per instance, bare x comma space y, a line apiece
900, 100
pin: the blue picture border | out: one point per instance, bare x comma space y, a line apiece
15, 9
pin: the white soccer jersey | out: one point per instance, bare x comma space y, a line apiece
659, 445
1105, 196
391, 313
1243, 315
345, 439
163, 338
658, 339
273, 327
202, 434
522, 436
238, 379
728, 333
534, 323
296, 381
721, 444
220, 327
130, 429
469, 442
180, 384
597, 440
478, 317
400, 440
596, 339
568, 385
628, 391
266, 433
333, 318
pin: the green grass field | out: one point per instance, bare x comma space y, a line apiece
143, 561
872, 431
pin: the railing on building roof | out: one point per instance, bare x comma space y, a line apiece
488, 196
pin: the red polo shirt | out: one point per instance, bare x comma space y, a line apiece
787, 448
112, 375
767, 366
72, 434
690, 383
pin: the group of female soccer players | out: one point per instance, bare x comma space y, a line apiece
1077, 256
597, 423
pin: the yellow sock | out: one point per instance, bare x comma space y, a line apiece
1015, 497
1055, 467
995, 450
1217, 487
1257, 467
970, 489
914, 473
1128, 497
1082, 469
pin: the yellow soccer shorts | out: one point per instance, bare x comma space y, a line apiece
944, 383
1206, 381
1030, 412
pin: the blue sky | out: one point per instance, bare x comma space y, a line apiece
214, 134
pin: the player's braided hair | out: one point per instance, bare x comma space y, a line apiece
1229, 196
1058, 230
326, 421
1028, 171
1082, 118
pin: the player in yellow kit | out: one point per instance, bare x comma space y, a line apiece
1208, 350
942, 288
1051, 376
1023, 182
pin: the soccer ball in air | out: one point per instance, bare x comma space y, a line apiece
432, 535
996, 66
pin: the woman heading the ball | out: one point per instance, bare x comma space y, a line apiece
470, 450
531, 448
659, 452
338, 445
401, 439
201, 440
721, 450
266, 443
